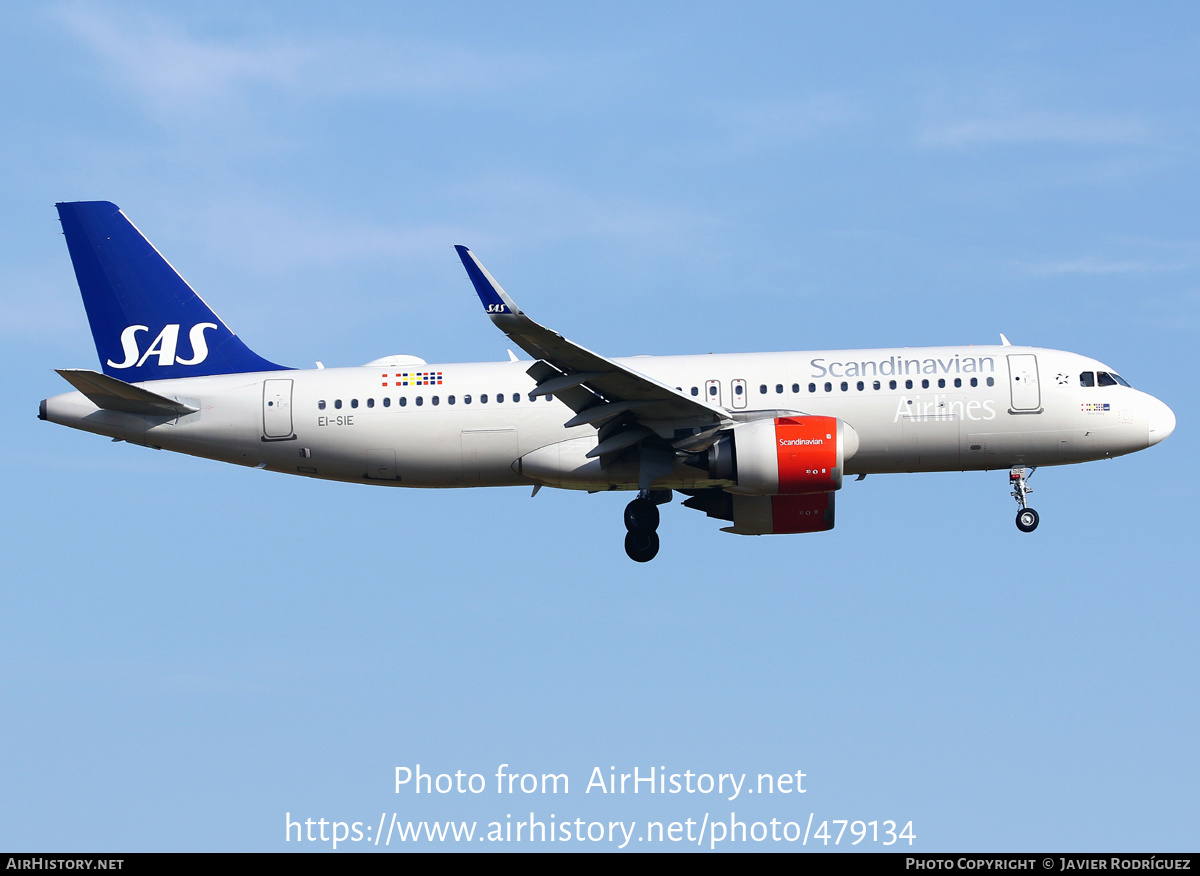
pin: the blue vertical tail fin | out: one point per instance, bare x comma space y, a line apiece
146, 321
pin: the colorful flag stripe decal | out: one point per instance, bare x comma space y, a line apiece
415, 378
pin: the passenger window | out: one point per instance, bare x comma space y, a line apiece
549, 398
738, 389
499, 397
403, 401
941, 383
483, 399
353, 402
845, 386
860, 386
516, 396
812, 387
695, 390
957, 382
370, 402
712, 390
466, 399
337, 403
321, 405
991, 381
420, 400
908, 384
828, 386
436, 400
796, 387
762, 390
1103, 378
875, 385
974, 381
387, 402
779, 389
925, 383
891, 384
1087, 378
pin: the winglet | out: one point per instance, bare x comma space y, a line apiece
1004, 341
495, 300
564, 366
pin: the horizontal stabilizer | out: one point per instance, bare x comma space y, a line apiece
112, 394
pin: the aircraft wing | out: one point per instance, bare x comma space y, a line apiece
595, 387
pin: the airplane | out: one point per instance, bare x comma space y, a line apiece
761, 441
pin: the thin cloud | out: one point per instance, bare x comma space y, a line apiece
770, 125
159, 59
1181, 312
269, 237
1035, 128
541, 210
38, 302
1096, 266
178, 72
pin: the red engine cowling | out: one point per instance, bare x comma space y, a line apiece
768, 515
786, 455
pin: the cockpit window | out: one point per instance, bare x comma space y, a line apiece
1087, 378
1121, 380
1103, 378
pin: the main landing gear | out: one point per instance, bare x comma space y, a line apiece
1018, 479
641, 519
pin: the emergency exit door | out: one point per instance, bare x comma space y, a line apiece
1023, 383
277, 410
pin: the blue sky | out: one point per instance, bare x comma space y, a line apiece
191, 650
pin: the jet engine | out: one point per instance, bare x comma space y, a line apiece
785, 455
766, 515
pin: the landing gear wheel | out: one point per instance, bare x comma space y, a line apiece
1027, 520
641, 547
1018, 479
641, 515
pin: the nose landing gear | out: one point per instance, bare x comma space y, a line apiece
641, 519
1027, 520
1018, 479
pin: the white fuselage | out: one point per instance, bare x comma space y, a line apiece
474, 424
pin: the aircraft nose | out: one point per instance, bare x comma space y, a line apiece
1162, 421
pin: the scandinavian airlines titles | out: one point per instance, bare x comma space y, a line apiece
898, 365
914, 409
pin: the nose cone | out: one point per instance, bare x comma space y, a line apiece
1162, 421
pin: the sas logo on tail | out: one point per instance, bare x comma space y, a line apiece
163, 346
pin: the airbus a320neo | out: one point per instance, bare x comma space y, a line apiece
762, 441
